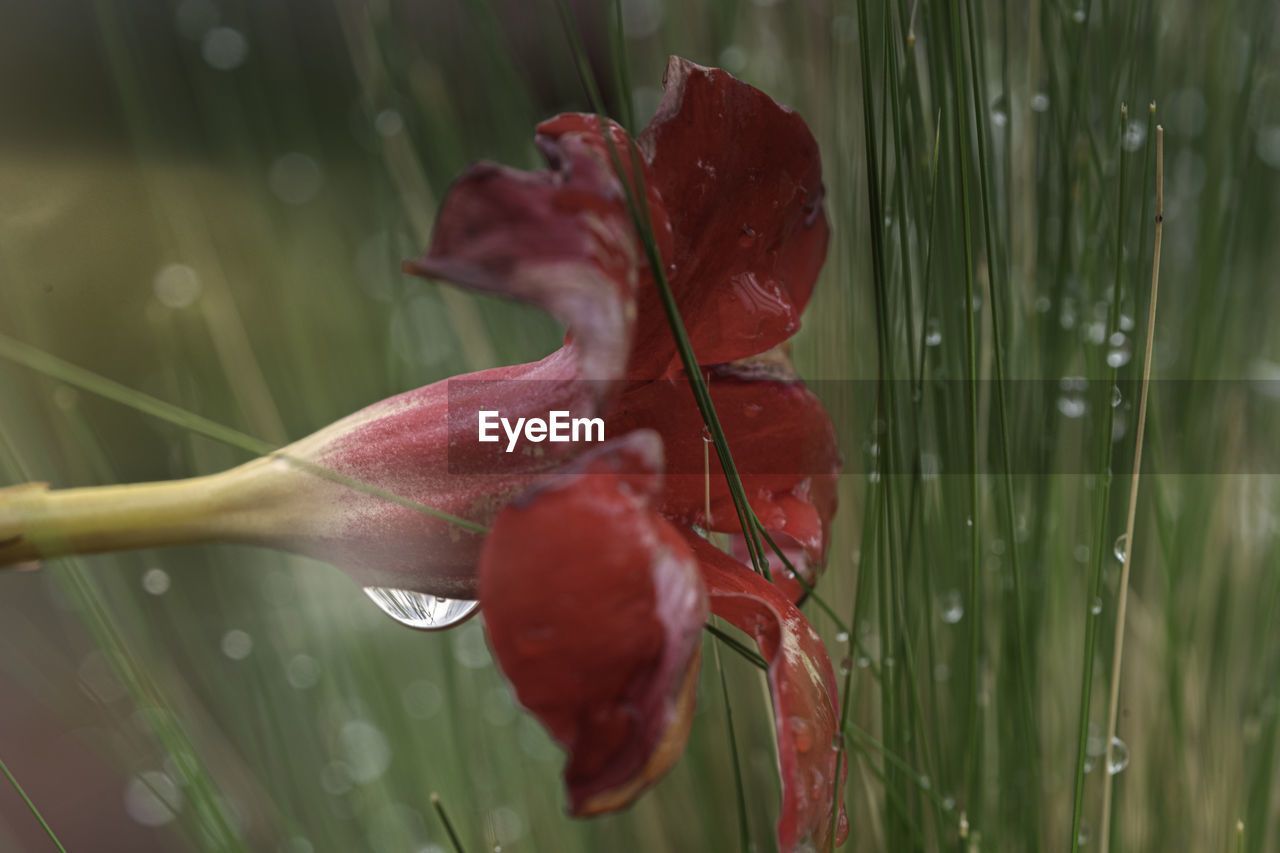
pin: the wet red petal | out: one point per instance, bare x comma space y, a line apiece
803, 686
559, 238
741, 179
594, 610
782, 440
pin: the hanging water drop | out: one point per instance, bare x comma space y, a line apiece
1116, 398
424, 612
1122, 544
952, 606
1119, 758
1097, 606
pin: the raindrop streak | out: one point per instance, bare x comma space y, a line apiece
421, 611
1119, 756
1122, 542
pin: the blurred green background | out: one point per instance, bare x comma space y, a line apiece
209, 202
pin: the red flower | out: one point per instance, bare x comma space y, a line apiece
594, 583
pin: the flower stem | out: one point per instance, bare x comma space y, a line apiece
37, 523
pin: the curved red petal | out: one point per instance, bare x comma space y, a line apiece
741, 179
595, 608
782, 441
803, 686
560, 238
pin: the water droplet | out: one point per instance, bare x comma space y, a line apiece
926, 783
1118, 357
1085, 833
952, 606
295, 178
1097, 606
237, 644
367, 750
176, 286
1071, 407
1135, 133
424, 612
224, 48
932, 333
706, 435
1078, 16
1039, 102
842, 637
948, 803
1119, 759
999, 118
389, 122
302, 671
734, 59
156, 581
422, 699
152, 798
846, 664
863, 662
1122, 542
801, 734
1116, 397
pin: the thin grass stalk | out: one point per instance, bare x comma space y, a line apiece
1117, 658
644, 227
1018, 645
740, 791
886, 567
448, 824
1101, 520
974, 738
31, 806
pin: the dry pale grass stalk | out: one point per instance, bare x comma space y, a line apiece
1123, 597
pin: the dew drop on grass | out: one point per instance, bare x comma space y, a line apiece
1078, 16
295, 178
1039, 102
1118, 358
932, 333
1122, 542
1071, 407
237, 644
842, 637
424, 612
152, 798
1116, 397
176, 286
1097, 606
1085, 833
224, 48
952, 606
302, 672
156, 581
1119, 759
